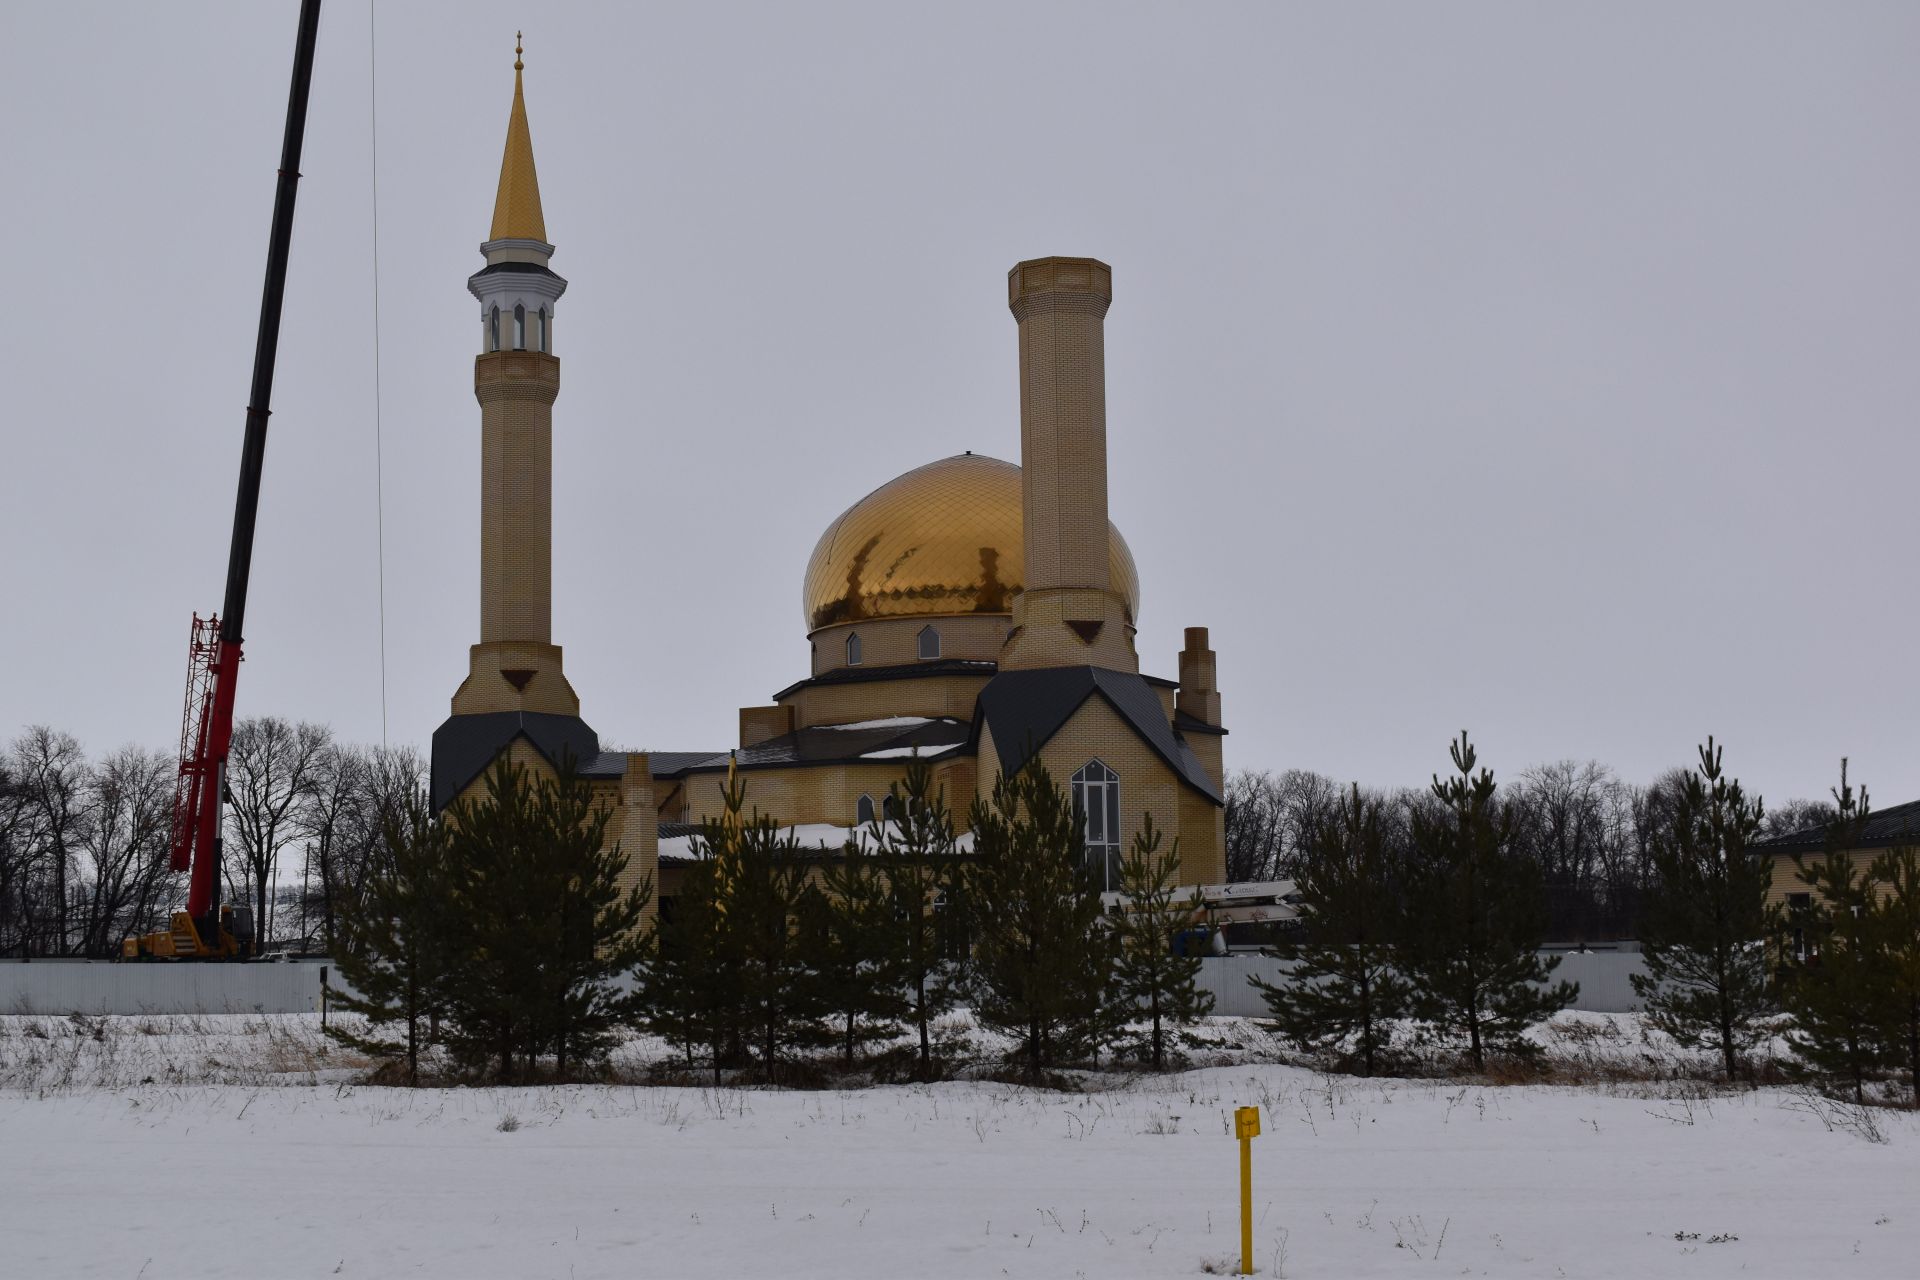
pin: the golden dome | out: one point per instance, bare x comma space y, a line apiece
942, 539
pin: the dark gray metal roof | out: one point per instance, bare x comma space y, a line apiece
1184, 723
463, 746
514, 268
671, 764
608, 764
1026, 708
1884, 829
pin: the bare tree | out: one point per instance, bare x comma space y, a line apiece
128, 882
50, 772
357, 792
1272, 820
14, 866
271, 769
327, 824
1797, 815
1561, 822
1256, 830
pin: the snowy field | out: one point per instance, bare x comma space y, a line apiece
157, 1147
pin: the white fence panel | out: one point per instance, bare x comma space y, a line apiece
104, 986
1602, 975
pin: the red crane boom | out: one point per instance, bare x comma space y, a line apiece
214, 655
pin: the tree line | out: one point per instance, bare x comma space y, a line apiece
503, 933
1591, 834
1440, 927
84, 842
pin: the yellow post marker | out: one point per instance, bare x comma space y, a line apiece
1246, 1127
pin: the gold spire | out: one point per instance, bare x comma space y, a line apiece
516, 209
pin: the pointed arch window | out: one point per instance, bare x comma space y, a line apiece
863, 811
540, 334
853, 649
929, 643
1096, 794
493, 330
519, 326
890, 808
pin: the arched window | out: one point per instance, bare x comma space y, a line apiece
1096, 794
929, 643
540, 335
890, 808
493, 330
853, 649
863, 811
519, 327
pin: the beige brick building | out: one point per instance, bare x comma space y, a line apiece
971, 612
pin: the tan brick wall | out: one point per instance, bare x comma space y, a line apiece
758, 724
1041, 636
1786, 880
516, 391
488, 688
801, 794
881, 699
895, 642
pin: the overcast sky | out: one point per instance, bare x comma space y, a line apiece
1547, 371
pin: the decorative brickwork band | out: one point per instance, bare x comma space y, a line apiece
516, 375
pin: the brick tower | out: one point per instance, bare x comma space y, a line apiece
516, 665
515, 683
1070, 613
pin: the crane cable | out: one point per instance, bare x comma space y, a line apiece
379, 473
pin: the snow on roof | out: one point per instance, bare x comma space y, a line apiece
891, 753
889, 722
809, 835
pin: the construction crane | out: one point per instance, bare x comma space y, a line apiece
206, 929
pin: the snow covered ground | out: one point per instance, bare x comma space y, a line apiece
233, 1147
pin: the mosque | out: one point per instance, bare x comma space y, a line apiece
971, 612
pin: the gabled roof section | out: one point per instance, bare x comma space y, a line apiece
463, 747
1026, 708
1884, 829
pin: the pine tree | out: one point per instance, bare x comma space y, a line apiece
599, 929
1043, 958
922, 870
541, 930
1475, 915
1836, 988
688, 992
852, 943
1343, 986
1703, 930
1896, 921
759, 880
391, 950
1152, 980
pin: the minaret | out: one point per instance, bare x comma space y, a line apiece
1069, 614
516, 666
